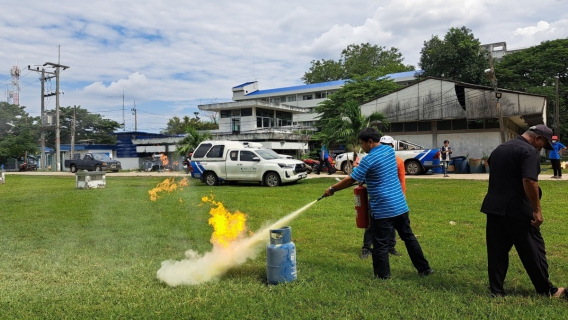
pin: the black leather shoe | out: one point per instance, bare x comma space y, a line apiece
426, 273
365, 253
393, 252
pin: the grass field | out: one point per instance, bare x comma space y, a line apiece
68, 253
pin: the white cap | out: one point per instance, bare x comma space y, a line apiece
387, 140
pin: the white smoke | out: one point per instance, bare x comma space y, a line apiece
196, 268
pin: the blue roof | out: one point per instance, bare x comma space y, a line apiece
392, 76
244, 84
301, 87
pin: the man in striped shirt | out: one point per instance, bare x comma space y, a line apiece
387, 203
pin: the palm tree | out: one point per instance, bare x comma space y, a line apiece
346, 127
191, 141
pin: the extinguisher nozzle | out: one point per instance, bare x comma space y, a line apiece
321, 198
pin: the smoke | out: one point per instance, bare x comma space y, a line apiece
196, 268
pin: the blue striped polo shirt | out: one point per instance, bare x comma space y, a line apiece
379, 170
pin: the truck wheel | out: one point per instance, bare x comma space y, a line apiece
211, 179
272, 179
73, 168
413, 168
97, 168
347, 169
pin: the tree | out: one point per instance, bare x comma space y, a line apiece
358, 90
357, 60
340, 118
19, 133
534, 70
179, 126
345, 128
88, 126
458, 57
191, 141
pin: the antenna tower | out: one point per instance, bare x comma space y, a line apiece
14, 94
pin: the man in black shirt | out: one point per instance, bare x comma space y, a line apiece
512, 205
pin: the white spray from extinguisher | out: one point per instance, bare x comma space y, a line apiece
199, 268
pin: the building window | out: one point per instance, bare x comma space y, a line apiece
460, 124
246, 112
424, 126
475, 124
307, 97
236, 113
264, 113
274, 100
410, 126
225, 113
445, 125
321, 95
491, 123
396, 127
291, 98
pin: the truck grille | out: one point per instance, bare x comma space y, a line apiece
301, 167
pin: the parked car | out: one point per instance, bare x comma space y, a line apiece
417, 159
93, 162
214, 162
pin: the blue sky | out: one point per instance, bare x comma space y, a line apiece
170, 56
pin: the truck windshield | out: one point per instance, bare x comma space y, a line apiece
267, 154
101, 156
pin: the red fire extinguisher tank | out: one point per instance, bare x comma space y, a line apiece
361, 207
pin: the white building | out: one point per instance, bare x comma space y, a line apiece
282, 118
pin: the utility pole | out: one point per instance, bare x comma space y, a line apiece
73, 133
557, 116
43, 78
58, 68
135, 118
123, 118
490, 73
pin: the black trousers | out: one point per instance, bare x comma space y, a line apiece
382, 230
325, 161
556, 167
368, 239
504, 232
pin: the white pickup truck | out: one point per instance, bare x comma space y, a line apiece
417, 160
231, 161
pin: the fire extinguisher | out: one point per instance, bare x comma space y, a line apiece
361, 207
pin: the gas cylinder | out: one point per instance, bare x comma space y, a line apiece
281, 256
361, 207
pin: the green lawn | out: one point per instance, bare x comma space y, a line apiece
68, 253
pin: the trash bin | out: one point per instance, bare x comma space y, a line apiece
475, 166
460, 165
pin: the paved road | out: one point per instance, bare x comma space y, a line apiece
473, 176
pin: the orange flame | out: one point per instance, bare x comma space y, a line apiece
227, 226
164, 159
169, 185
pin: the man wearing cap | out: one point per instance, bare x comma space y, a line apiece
554, 156
368, 236
512, 206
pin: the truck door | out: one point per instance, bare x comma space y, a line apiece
88, 162
249, 168
233, 165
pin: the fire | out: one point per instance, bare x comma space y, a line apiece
564, 165
169, 185
227, 226
164, 159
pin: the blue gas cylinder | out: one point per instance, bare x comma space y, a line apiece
281, 256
